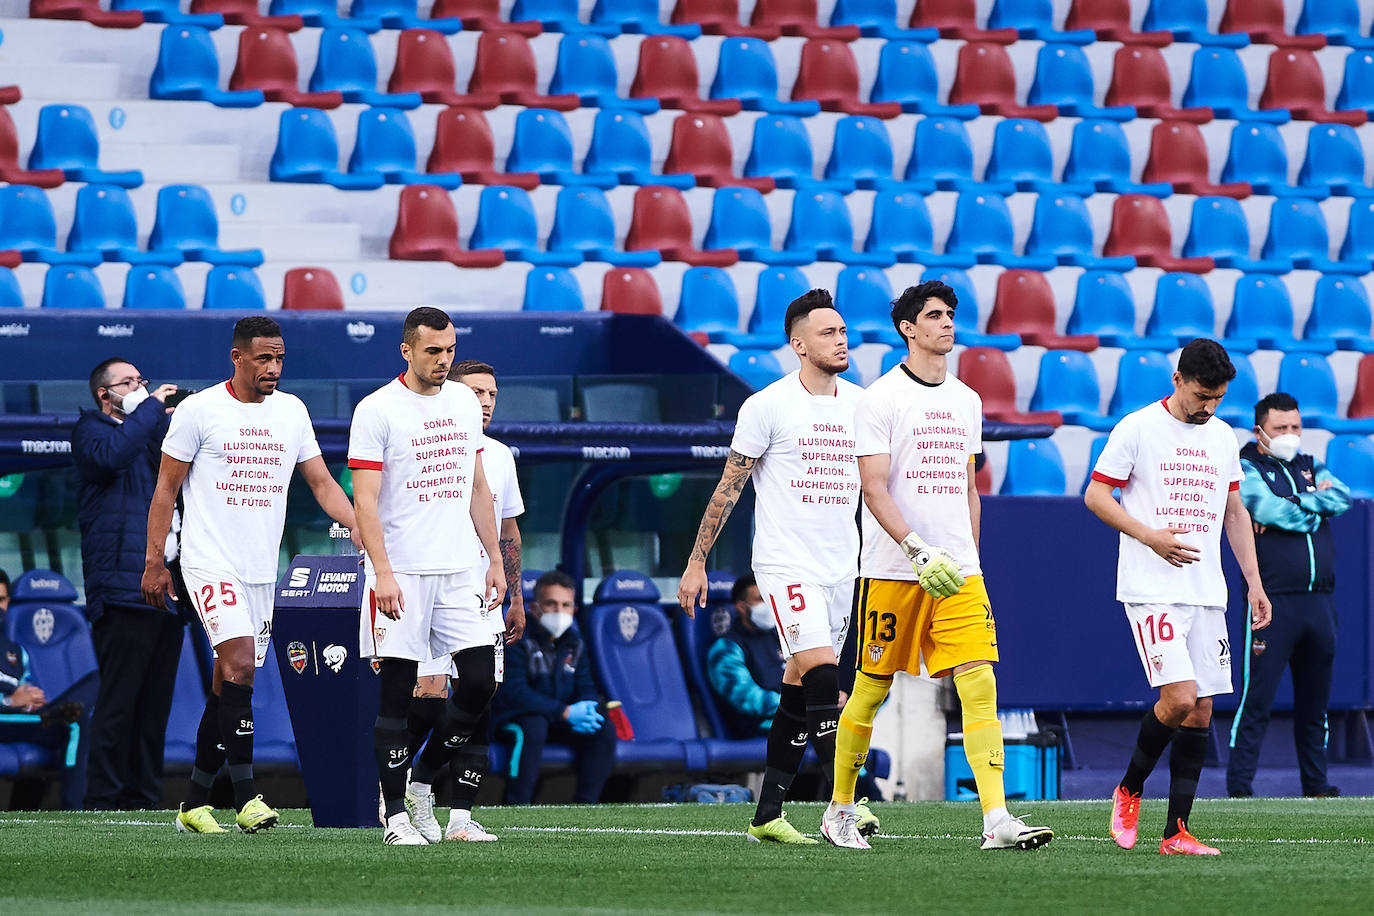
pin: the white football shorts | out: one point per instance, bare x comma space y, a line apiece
808, 616
230, 608
1183, 642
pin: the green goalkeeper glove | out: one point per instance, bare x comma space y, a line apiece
936, 570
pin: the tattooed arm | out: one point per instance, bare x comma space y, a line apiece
510, 562
691, 592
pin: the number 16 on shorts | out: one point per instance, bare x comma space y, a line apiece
1182, 642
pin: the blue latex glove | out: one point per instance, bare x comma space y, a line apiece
583, 717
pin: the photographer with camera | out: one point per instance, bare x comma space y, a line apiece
117, 450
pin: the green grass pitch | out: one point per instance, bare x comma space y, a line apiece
1286, 856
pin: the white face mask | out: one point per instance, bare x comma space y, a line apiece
130, 401
760, 616
1285, 447
556, 622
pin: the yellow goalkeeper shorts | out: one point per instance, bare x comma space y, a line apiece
899, 623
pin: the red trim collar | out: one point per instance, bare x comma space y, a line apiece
229, 386
402, 379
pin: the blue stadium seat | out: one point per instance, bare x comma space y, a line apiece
1357, 86
861, 156
44, 620
822, 229
552, 289
104, 223
746, 71
506, 221
1308, 377
234, 288
586, 67
695, 637
1340, 314
169, 12
558, 16
639, 17
1359, 233
1061, 229
740, 221
866, 297
708, 304
1063, 78
188, 68
1297, 230
1338, 20
621, 149
1334, 161
758, 368
583, 222
72, 287
27, 225
966, 330
891, 358
1034, 19
1021, 160
153, 287
1217, 80
385, 147
941, 156
185, 221
982, 227
1257, 155
188, 705
1219, 230
877, 19
1187, 20
1094, 452
308, 153
1104, 305
543, 145
1351, 459
1142, 377
1067, 382
1100, 156
901, 228
66, 140
346, 64
1262, 312
777, 287
401, 14
906, 75
10, 295
781, 150
1034, 468
1183, 309
322, 14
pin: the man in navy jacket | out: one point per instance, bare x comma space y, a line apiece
116, 450
549, 694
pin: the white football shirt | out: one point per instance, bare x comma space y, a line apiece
931, 433
1171, 473
499, 465
806, 481
426, 447
241, 456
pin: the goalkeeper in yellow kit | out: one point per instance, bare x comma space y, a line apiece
921, 592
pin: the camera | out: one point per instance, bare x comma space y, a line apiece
181, 394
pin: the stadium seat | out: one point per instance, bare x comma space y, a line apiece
308, 152
1295, 82
1140, 77
861, 155
781, 152
1142, 377
1262, 20
639, 17
1257, 155
104, 223
1178, 156
1238, 408
1186, 20
1334, 162
27, 225
1140, 227
427, 230
10, 170
758, 368
1061, 229
982, 227
66, 140
583, 222
1336, 20
906, 75
985, 78
321, 14
1105, 306
966, 314
384, 146
700, 151
1067, 382
1362, 400
1357, 84
630, 291
346, 64
44, 620
1034, 468
957, 19
1350, 459
821, 228
661, 222
1309, 379
11, 297
708, 304
667, 71
719, 17
72, 287
1262, 311
877, 19
1359, 233
153, 288
463, 145
747, 74
558, 16
901, 228
1111, 21
1099, 156
235, 289
866, 296
1034, 20
799, 19
424, 65
1024, 306
1218, 230
267, 62
168, 12
1064, 79
585, 67
543, 145
505, 69
245, 12
551, 289
987, 371
1297, 231
829, 74
188, 68
185, 220
506, 222
311, 289
777, 287
482, 16
1094, 452
1217, 80
695, 636
1183, 309
85, 11
1340, 315
621, 149
1022, 160
402, 14
941, 157
740, 223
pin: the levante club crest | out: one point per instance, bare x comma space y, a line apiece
297, 655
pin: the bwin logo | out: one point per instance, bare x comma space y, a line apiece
300, 577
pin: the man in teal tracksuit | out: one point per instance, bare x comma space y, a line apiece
1290, 496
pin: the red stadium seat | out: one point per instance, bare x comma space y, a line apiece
720, 17
424, 64
10, 169
311, 288
245, 12
1140, 77
9, 95
1262, 20
427, 230
505, 69
668, 72
1025, 306
482, 16
10, 258
630, 291
982, 478
1111, 20
829, 74
957, 19
988, 371
267, 61
798, 18
661, 222
1362, 401
985, 78
701, 146
463, 144
1295, 82
1178, 156
85, 11
1140, 228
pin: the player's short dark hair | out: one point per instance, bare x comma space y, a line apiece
245, 329
423, 317
1205, 361
908, 306
804, 305
470, 367
1279, 400
551, 578
740, 589
100, 377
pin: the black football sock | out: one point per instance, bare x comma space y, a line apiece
822, 687
1185, 766
462, 714
1154, 737
209, 755
421, 717
236, 733
786, 746
390, 739
470, 766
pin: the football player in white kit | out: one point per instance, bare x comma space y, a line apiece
229, 452
424, 509
1178, 467
432, 687
796, 439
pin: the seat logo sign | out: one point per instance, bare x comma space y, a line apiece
300, 577
297, 655
43, 623
629, 623
334, 656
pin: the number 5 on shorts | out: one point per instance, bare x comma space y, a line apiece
796, 600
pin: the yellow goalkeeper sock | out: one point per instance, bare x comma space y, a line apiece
856, 727
977, 689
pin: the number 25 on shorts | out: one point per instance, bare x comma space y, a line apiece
227, 596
